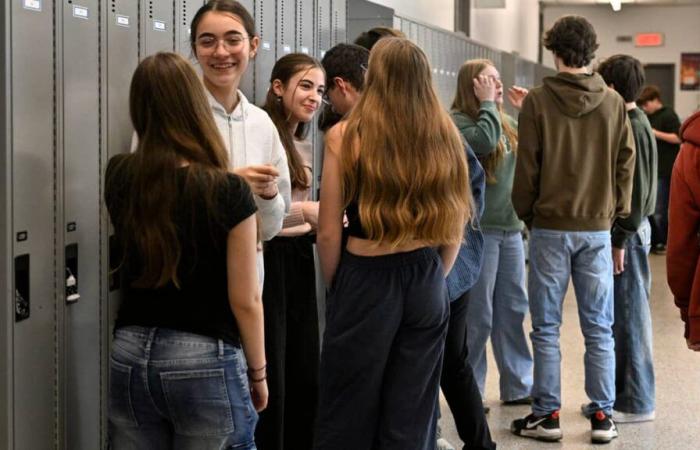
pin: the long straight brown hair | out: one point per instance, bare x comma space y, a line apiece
402, 157
466, 102
175, 127
284, 69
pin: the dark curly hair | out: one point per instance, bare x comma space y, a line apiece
573, 39
625, 73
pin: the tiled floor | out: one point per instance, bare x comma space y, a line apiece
677, 424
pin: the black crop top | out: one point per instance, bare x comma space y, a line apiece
354, 228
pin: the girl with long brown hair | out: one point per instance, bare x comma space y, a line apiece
397, 166
297, 84
498, 301
188, 359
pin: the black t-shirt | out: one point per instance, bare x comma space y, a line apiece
666, 120
200, 305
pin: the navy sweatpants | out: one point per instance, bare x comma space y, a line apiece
382, 353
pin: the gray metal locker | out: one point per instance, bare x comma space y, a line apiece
265, 59
31, 351
78, 115
184, 12
286, 27
7, 309
339, 21
323, 27
157, 23
304, 39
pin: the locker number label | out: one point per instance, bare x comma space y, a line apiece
123, 21
80, 12
34, 5
159, 25
266, 46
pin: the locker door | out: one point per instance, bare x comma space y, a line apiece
248, 80
157, 20
339, 19
304, 27
323, 27
78, 113
34, 325
286, 27
265, 59
184, 12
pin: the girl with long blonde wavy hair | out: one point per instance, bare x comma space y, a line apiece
496, 313
397, 167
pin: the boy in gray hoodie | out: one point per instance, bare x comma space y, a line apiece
573, 177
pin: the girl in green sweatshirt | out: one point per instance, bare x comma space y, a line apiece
498, 301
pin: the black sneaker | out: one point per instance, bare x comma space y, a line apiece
658, 249
603, 429
519, 401
543, 428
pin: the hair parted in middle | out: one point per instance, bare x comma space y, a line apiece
466, 102
284, 69
402, 158
174, 124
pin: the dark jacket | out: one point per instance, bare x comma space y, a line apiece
683, 245
575, 155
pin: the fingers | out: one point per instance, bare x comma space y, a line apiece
265, 169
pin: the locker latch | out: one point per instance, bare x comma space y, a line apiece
71, 287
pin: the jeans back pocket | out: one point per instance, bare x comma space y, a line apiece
121, 410
198, 402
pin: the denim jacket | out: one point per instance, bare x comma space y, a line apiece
467, 267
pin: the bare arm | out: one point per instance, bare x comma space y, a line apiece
245, 301
448, 254
330, 211
671, 138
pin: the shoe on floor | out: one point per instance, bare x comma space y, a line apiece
603, 429
624, 417
543, 428
444, 444
519, 401
658, 249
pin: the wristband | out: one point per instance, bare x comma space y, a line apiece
258, 380
250, 370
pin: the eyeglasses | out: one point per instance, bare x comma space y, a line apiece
211, 43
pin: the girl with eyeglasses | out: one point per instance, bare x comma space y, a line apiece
297, 85
498, 301
398, 168
187, 366
223, 40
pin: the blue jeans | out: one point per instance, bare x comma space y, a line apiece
170, 389
659, 221
497, 308
632, 329
586, 257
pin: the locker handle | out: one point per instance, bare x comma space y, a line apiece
72, 294
21, 287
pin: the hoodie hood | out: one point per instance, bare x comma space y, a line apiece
690, 130
576, 95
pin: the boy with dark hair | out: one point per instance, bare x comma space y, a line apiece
573, 134
345, 66
631, 241
666, 125
370, 37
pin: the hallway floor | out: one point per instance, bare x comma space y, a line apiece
677, 387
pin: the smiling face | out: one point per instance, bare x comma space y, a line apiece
302, 95
223, 49
492, 73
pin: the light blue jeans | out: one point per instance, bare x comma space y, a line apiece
586, 258
632, 329
497, 307
174, 390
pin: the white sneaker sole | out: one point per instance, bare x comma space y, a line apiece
603, 436
543, 434
622, 417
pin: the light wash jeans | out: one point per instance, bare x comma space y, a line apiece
496, 308
175, 390
586, 257
632, 329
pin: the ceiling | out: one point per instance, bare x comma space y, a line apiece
638, 2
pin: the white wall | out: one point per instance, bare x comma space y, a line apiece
513, 29
440, 13
679, 24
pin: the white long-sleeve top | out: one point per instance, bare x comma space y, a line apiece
252, 139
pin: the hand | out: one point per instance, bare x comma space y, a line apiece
310, 211
516, 95
618, 256
259, 394
695, 346
261, 178
485, 88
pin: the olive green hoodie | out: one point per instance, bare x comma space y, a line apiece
575, 155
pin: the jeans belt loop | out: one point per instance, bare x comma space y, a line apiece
149, 341
221, 348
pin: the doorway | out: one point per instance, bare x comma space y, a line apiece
663, 76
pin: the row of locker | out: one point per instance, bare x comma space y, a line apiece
66, 69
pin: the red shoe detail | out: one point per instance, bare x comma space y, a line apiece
600, 415
555, 414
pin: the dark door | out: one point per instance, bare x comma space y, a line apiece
663, 76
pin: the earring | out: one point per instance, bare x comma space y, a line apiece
279, 99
